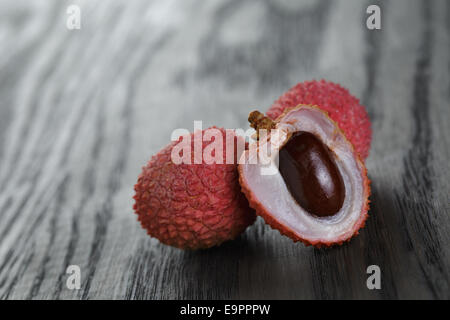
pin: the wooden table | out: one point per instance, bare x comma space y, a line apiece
81, 111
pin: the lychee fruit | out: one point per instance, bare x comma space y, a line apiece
305, 178
341, 106
195, 204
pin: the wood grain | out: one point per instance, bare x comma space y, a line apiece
82, 111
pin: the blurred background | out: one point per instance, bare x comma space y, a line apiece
82, 110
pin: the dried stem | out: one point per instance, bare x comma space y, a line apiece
259, 121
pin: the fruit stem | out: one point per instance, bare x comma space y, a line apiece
259, 121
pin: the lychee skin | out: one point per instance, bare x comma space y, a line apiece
191, 206
341, 106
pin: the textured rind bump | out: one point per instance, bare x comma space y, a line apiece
275, 224
191, 206
341, 106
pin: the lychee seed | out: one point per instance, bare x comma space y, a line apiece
311, 175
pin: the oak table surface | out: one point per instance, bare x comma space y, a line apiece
81, 111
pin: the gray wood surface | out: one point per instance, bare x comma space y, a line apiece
82, 111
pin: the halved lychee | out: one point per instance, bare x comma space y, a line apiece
311, 184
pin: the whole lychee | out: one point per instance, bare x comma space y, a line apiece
342, 107
198, 204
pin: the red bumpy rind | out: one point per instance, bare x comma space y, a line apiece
191, 206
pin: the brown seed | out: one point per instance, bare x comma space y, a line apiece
311, 174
